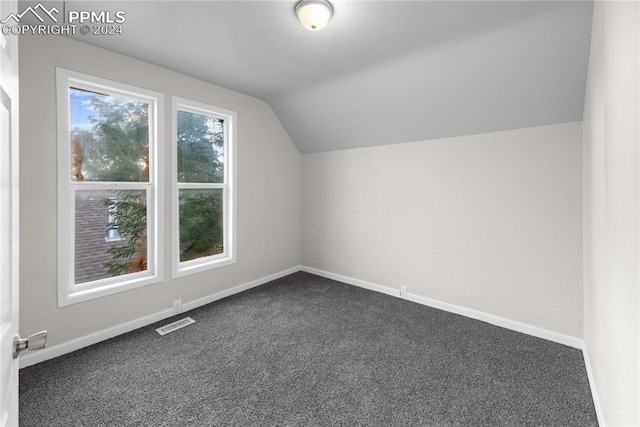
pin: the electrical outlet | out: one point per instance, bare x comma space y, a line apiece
403, 291
177, 306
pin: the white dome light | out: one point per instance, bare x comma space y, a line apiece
314, 14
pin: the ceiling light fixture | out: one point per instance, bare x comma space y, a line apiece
314, 14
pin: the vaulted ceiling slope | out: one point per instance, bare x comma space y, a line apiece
382, 72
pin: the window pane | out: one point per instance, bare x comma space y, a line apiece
109, 137
110, 234
200, 148
201, 223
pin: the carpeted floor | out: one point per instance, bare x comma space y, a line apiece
308, 351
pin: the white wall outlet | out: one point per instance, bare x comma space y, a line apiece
403, 291
177, 306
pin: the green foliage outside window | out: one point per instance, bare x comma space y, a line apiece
200, 160
116, 149
129, 217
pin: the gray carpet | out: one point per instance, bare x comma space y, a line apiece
308, 351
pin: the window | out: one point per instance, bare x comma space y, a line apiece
109, 191
203, 187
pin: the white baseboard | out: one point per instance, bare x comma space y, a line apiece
351, 281
237, 289
47, 353
485, 317
452, 308
29, 359
592, 385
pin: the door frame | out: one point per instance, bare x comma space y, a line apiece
9, 221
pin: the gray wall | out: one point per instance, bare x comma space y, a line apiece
611, 214
489, 222
268, 186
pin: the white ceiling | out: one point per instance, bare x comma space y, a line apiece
382, 71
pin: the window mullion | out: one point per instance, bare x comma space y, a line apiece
99, 185
200, 186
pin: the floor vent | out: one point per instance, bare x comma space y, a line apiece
175, 325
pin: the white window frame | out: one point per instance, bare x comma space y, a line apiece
69, 292
178, 268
